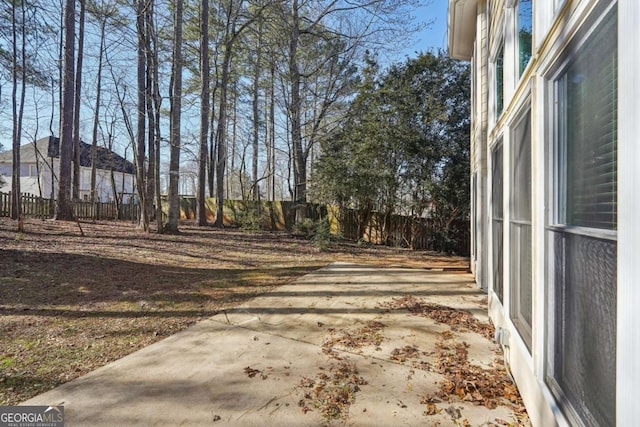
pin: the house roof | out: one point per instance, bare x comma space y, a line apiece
461, 27
29, 153
49, 147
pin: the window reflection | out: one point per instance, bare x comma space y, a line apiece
525, 30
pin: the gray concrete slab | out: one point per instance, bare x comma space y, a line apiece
268, 361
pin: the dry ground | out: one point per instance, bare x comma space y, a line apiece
71, 303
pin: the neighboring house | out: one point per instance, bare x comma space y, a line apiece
555, 184
40, 165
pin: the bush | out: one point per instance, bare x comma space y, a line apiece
318, 231
250, 219
322, 237
306, 228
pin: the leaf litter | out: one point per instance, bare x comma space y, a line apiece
463, 381
72, 303
332, 390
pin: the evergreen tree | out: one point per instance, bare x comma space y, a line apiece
404, 146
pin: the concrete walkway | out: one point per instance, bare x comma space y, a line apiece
327, 345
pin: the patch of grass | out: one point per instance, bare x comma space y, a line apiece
7, 362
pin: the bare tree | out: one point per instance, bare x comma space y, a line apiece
221, 134
257, 70
317, 24
63, 209
18, 107
174, 125
76, 105
154, 113
232, 33
103, 13
299, 163
204, 110
149, 48
140, 7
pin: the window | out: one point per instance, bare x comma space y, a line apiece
497, 220
525, 31
520, 228
474, 210
581, 348
500, 81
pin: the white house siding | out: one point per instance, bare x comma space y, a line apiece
104, 188
557, 26
33, 184
478, 187
49, 169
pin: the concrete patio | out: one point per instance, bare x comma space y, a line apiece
333, 348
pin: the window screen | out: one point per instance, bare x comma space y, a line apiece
500, 81
497, 221
520, 229
584, 359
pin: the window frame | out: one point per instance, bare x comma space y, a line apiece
556, 190
521, 71
556, 220
497, 49
524, 328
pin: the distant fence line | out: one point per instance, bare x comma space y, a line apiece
390, 230
39, 207
378, 228
407, 231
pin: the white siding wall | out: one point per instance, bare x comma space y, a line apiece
47, 183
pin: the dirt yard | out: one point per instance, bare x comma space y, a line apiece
71, 303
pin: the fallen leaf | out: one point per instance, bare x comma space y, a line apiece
251, 372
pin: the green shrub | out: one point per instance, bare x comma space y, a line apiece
250, 219
306, 227
322, 237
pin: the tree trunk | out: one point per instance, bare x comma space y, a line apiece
157, 100
96, 117
272, 132
204, 111
76, 106
299, 164
221, 138
212, 147
175, 116
221, 134
63, 210
234, 137
151, 176
16, 200
141, 128
256, 116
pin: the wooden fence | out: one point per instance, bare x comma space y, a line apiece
38, 207
406, 231
377, 228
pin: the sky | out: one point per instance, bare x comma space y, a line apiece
434, 36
